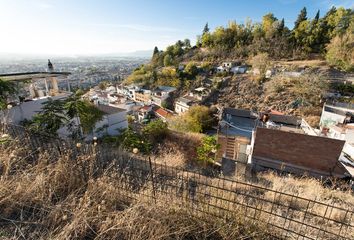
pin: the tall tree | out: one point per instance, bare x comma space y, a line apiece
206, 28
317, 17
156, 51
51, 117
301, 17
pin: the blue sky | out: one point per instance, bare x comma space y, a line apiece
69, 27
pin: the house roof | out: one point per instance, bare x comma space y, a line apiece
106, 109
240, 113
145, 108
162, 113
187, 99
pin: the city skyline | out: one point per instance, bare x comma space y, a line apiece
69, 28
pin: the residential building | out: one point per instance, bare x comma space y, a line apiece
113, 122
143, 95
161, 94
162, 114
144, 113
183, 104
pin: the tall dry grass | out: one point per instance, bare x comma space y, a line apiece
44, 197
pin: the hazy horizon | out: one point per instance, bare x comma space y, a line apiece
91, 28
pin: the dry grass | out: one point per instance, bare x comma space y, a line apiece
46, 198
179, 149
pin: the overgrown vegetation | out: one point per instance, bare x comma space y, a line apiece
50, 196
79, 116
330, 36
71, 200
207, 150
196, 119
7, 89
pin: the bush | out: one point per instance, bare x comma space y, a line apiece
130, 139
197, 119
206, 152
156, 131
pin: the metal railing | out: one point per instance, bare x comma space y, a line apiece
290, 216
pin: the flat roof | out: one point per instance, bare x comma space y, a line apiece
24, 76
109, 109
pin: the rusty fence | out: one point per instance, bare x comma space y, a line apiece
291, 216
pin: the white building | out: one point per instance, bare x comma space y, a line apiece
183, 104
113, 122
160, 94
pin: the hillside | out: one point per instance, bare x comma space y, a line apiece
323, 58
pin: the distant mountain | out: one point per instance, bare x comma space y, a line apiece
4, 56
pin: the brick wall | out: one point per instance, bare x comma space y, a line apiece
316, 153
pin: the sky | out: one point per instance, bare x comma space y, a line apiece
89, 27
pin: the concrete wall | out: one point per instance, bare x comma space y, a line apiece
114, 122
297, 152
27, 110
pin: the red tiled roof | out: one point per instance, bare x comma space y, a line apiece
145, 108
162, 112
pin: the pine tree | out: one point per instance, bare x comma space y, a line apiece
317, 17
302, 17
206, 29
156, 51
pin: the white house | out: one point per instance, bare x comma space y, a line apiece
26, 110
183, 104
113, 122
160, 94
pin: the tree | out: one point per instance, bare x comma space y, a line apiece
196, 119
191, 69
187, 43
261, 62
206, 152
268, 25
317, 17
130, 139
156, 51
340, 51
206, 29
85, 113
167, 61
51, 118
7, 89
301, 17
155, 131
102, 85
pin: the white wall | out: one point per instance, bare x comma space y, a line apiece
27, 110
114, 122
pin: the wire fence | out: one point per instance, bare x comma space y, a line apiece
291, 216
